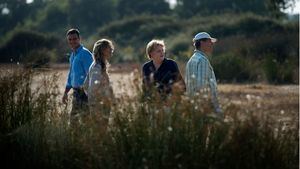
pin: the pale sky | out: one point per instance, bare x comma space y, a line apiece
296, 10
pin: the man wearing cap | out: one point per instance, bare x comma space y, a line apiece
200, 76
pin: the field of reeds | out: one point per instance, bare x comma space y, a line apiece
260, 129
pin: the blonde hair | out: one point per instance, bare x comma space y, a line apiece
99, 46
152, 44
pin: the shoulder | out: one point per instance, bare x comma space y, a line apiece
85, 54
198, 58
147, 64
95, 67
171, 63
85, 51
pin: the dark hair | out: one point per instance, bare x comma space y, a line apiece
197, 43
73, 31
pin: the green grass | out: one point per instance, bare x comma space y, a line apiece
175, 133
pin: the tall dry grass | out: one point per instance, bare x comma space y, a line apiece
177, 132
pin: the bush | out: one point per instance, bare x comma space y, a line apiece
150, 27
39, 58
179, 47
22, 43
278, 73
230, 68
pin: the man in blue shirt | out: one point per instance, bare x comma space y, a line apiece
80, 61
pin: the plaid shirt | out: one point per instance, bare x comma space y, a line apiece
200, 77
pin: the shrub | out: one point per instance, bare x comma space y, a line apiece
230, 68
22, 43
39, 58
279, 73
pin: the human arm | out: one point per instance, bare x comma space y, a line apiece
68, 84
214, 92
179, 85
86, 60
86, 82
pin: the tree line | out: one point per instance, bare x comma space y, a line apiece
257, 42
55, 15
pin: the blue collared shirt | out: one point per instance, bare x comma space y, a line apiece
80, 62
200, 77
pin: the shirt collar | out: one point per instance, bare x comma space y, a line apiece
199, 51
78, 49
165, 59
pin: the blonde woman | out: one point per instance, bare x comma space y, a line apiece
161, 72
97, 83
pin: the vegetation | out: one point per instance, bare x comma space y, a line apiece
257, 38
31, 48
256, 42
247, 40
143, 134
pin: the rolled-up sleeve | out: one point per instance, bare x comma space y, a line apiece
203, 74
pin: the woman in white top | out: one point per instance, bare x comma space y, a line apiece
97, 84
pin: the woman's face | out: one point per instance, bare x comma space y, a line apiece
107, 52
157, 54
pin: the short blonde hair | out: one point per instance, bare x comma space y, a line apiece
152, 44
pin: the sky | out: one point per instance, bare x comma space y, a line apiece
296, 10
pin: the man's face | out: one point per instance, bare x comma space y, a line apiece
73, 41
207, 46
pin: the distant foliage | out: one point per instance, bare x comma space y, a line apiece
138, 31
39, 58
208, 7
276, 72
47, 20
230, 68
243, 43
248, 29
136, 7
21, 44
88, 15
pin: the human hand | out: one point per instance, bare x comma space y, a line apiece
65, 98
